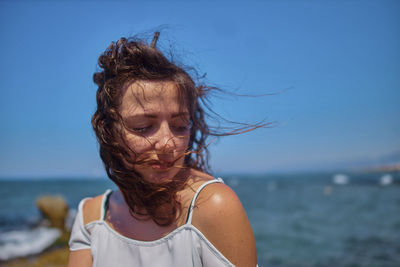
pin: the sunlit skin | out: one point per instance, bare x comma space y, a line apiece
156, 128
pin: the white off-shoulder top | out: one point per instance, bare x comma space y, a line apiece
186, 246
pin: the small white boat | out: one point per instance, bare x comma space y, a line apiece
340, 179
386, 179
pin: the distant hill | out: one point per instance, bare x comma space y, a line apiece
389, 162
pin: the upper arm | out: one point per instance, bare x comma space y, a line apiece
80, 258
220, 216
80, 252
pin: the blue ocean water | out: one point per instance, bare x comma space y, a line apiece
298, 219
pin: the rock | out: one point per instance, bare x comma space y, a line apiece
53, 208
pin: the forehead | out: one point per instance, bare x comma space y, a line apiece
150, 97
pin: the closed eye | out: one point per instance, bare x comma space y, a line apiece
141, 129
181, 128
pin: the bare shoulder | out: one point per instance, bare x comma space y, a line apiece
220, 216
92, 209
215, 199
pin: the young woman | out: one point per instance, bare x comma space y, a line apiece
167, 211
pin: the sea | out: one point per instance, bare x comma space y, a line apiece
298, 219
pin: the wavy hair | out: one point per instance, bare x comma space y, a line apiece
127, 61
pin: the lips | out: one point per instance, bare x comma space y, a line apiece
161, 165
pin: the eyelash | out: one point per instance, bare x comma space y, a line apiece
142, 130
182, 128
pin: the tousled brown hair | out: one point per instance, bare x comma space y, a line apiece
122, 63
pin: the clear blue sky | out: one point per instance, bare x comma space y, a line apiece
334, 64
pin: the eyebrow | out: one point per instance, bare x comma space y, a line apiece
153, 115
180, 114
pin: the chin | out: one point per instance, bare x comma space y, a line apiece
159, 176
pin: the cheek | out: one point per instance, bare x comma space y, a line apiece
182, 142
137, 143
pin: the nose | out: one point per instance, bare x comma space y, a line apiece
164, 142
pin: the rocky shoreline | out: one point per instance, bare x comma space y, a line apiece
53, 257
54, 209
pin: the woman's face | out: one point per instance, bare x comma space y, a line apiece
156, 128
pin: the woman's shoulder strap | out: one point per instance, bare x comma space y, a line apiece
104, 204
191, 207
